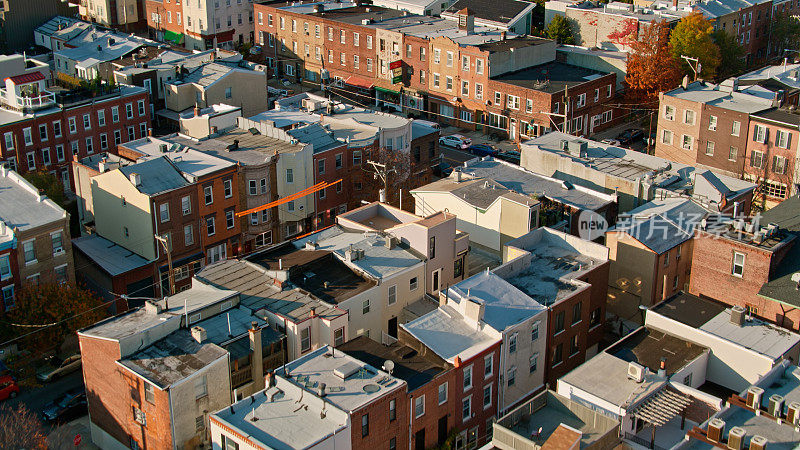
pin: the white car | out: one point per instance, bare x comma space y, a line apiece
456, 141
613, 142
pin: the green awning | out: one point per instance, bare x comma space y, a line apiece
388, 91
173, 37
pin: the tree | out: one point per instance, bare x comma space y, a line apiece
49, 185
64, 307
785, 33
731, 54
559, 30
626, 34
692, 37
20, 428
651, 68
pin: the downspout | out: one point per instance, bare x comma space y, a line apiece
172, 419
410, 419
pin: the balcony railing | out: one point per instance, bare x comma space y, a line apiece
43, 100
241, 377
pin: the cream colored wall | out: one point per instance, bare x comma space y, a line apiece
514, 219
186, 407
83, 187
482, 226
525, 382
301, 164
181, 96
111, 216
248, 90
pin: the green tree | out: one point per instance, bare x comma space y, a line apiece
731, 54
785, 33
692, 37
560, 30
651, 68
55, 310
49, 185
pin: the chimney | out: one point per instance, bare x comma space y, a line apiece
737, 315
685, 82
466, 21
321, 391
662, 367
197, 111
502, 35
136, 179
256, 358
199, 334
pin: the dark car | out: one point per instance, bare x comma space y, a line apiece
511, 156
482, 150
442, 169
630, 135
67, 407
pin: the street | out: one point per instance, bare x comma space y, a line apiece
36, 398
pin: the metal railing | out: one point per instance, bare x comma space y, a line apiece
642, 441
386, 339
42, 100
241, 377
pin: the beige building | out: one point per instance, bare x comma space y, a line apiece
18, 19
35, 244
110, 12
218, 83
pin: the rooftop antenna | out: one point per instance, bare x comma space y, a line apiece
229, 324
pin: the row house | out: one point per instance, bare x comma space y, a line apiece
748, 21
751, 264
155, 374
43, 130
200, 25
35, 245
21, 17
772, 152
707, 125
325, 399
112, 13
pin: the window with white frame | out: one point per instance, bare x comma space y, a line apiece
688, 117
760, 133
535, 331
29, 251
533, 363
466, 408
782, 138
712, 123
443, 393
686, 142
365, 306
188, 235
779, 164
5, 267
488, 365
710, 148
511, 376
736, 128
56, 238
738, 264
392, 294
512, 101
512, 343
487, 396
419, 406
467, 378
669, 112
305, 339
581, 101
732, 153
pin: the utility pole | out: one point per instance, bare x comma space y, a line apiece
383, 173
163, 241
694, 64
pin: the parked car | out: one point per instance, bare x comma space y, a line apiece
67, 407
442, 169
630, 135
482, 150
511, 156
69, 365
8, 387
255, 50
610, 142
651, 140
428, 123
456, 141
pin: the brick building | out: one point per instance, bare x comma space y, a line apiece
771, 157
47, 130
35, 246
752, 267
200, 25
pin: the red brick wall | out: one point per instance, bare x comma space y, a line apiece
161, 7
15, 279
480, 415
381, 429
218, 209
769, 149
564, 338
433, 410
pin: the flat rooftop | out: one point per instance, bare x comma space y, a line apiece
747, 100
547, 279
181, 152
502, 11
173, 358
257, 291
330, 279
285, 255
380, 216
157, 175
252, 149
448, 334
112, 258
350, 383
283, 417
229, 325
505, 305
22, 206
781, 287
410, 366
647, 346
551, 77
715, 319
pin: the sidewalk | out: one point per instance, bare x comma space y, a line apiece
63, 437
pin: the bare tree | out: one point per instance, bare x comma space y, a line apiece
20, 428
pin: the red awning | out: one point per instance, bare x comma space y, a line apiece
353, 80
26, 78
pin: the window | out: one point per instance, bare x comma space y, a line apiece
46, 157
365, 307
73, 128
732, 153
5, 267
710, 148
773, 189
103, 141
782, 138
227, 188
466, 408
512, 101
8, 297
465, 88
186, 205
229, 222
419, 406
712, 123
357, 157
449, 59
140, 106
512, 343
669, 112
688, 117
487, 396
432, 247
129, 110
392, 410
436, 77
448, 82
188, 235
114, 115
42, 132
467, 378
27, 137
31, 159
686, 142
210, 230
131, 133
737, 126
57, 128
559, 325
594, 317
365, 425
253, 218
117, 137
437, 56
149, 395
290, 206
581, 101
779, 164
488, 365
574, 345
760, 133
533, 363
163, 212
511, 376
305, 339
29, 251
289, 176
558, 355
264, 239
208, 193
738, 264
478, 91
200, 387
576, 313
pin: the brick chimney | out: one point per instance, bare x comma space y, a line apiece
466, 21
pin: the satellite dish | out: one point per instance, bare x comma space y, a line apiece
388, 366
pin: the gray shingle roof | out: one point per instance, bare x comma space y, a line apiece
158, 175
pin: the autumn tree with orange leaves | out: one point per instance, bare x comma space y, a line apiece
651, 67
693, 36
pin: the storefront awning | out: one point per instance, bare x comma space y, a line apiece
353, 80
386, 90
173, 37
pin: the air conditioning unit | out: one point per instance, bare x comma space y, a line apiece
776, 405
754, 394
736, 438
793, 413
758, 443
716, 427
635, 372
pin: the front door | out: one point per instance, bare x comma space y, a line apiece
419, 440
393, 327
435, 282
442, 429
513, 130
